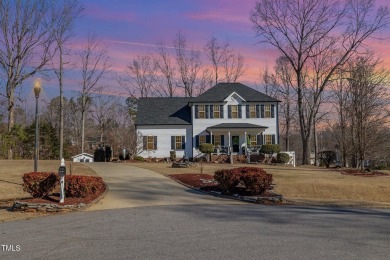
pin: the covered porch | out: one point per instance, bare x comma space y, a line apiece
236, 138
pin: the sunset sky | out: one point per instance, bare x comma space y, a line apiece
133, 27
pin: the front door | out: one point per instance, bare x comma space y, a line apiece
236, 143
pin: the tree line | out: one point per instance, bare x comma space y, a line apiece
326, 76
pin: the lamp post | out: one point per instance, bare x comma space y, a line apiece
37, 90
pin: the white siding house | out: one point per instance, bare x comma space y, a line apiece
232, 116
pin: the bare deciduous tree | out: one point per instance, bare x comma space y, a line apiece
26, 37
66, 11
224, 60
367, 99
103, 110
140, 78
164, 63
94, 64
316, 33
188, 63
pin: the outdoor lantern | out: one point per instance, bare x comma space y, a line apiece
37, 87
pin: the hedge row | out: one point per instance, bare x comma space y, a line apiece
40, 184
256, 180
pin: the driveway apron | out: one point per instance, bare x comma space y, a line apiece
131, 186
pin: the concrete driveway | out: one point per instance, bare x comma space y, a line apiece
130, 186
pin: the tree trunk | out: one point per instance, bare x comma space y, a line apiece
315, 145
83, 124
11, 115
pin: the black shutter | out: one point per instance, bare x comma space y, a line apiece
211, 111
208, 139
273, 139
222, 140
155, 142
260, 139
229, 111
196, 111
272, 111
258, 111
239, 107
262, 111
212, 139
173, 139
247, 112
145, 142
197, 141
221, 111
183, 142
207, 111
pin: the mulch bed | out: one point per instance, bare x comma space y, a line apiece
207, 183
357, 172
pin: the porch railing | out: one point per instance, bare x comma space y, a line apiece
254, 149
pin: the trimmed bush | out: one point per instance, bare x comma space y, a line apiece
227, 180
83, 186
270, 149
206, 148
255, 180
283, 157
39, 184
139, 158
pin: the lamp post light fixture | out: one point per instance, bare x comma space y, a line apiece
37, 90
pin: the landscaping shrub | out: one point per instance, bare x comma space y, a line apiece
227, 180
139, 158
207, 149
270, 149
256, 180
83, 186
327, 157
283, 157
39, 184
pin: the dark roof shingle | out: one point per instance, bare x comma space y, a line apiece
221, 91
164, 111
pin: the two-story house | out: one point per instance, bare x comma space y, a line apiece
231, 116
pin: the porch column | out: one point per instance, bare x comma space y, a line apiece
248, 159
211, 137
229, 149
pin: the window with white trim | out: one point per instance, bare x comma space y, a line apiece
178, 142
202, 139
253, 140
234, 111
217, 112
252, 111
267, 111
217, 140
202, 111
267, 139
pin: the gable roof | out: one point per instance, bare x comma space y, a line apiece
221, 91
164, 111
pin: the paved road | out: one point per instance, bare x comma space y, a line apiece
135, 187
178, 223
203, 232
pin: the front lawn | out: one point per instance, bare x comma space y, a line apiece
307, 185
